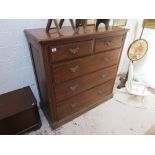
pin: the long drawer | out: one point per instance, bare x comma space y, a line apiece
84, 99
108, 43
75, 68
70, 51
73, 87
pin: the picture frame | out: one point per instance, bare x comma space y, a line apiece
149, 23
119, 22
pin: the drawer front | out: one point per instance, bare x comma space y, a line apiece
82, 100
69, 51
19, 123
73, 87
75, 68
108, 43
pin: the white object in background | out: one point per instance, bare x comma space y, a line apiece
135, 87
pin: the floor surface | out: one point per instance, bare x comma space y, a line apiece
114, 117
124, 114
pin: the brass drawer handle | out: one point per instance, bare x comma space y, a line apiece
74, 50
108, 43
73, 105
100, 92
74, 69
107, 59
74, 87
103, 76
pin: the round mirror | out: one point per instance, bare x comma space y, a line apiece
137, 49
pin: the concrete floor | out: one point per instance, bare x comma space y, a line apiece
114, 117
111, 118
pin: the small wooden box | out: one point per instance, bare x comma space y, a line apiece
18, 112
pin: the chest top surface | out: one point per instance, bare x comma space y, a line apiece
40, 35
14, 102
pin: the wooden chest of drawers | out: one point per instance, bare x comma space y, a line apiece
76, 71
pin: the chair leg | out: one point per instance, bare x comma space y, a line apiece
48, 25
73, 25
57, 27
61, 22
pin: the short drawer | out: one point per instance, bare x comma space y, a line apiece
83, 100
73, 87
70, 51
108, 43
75, 68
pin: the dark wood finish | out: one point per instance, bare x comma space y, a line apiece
49, 22
81, 111
59, 73
81, 22
78, 85
18, 112
108, 43
70, 51
104, 21
48, 26
75, 68
40, 36
84, 99
61, 22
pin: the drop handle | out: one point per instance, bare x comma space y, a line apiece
74, 50
74, 69
100, 92
103, 76
108, 43
72, 88
107, 59
73, 105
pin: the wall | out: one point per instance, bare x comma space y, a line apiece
144, 68
123, 67
15, 63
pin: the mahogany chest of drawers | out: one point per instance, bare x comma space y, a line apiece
76, 71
